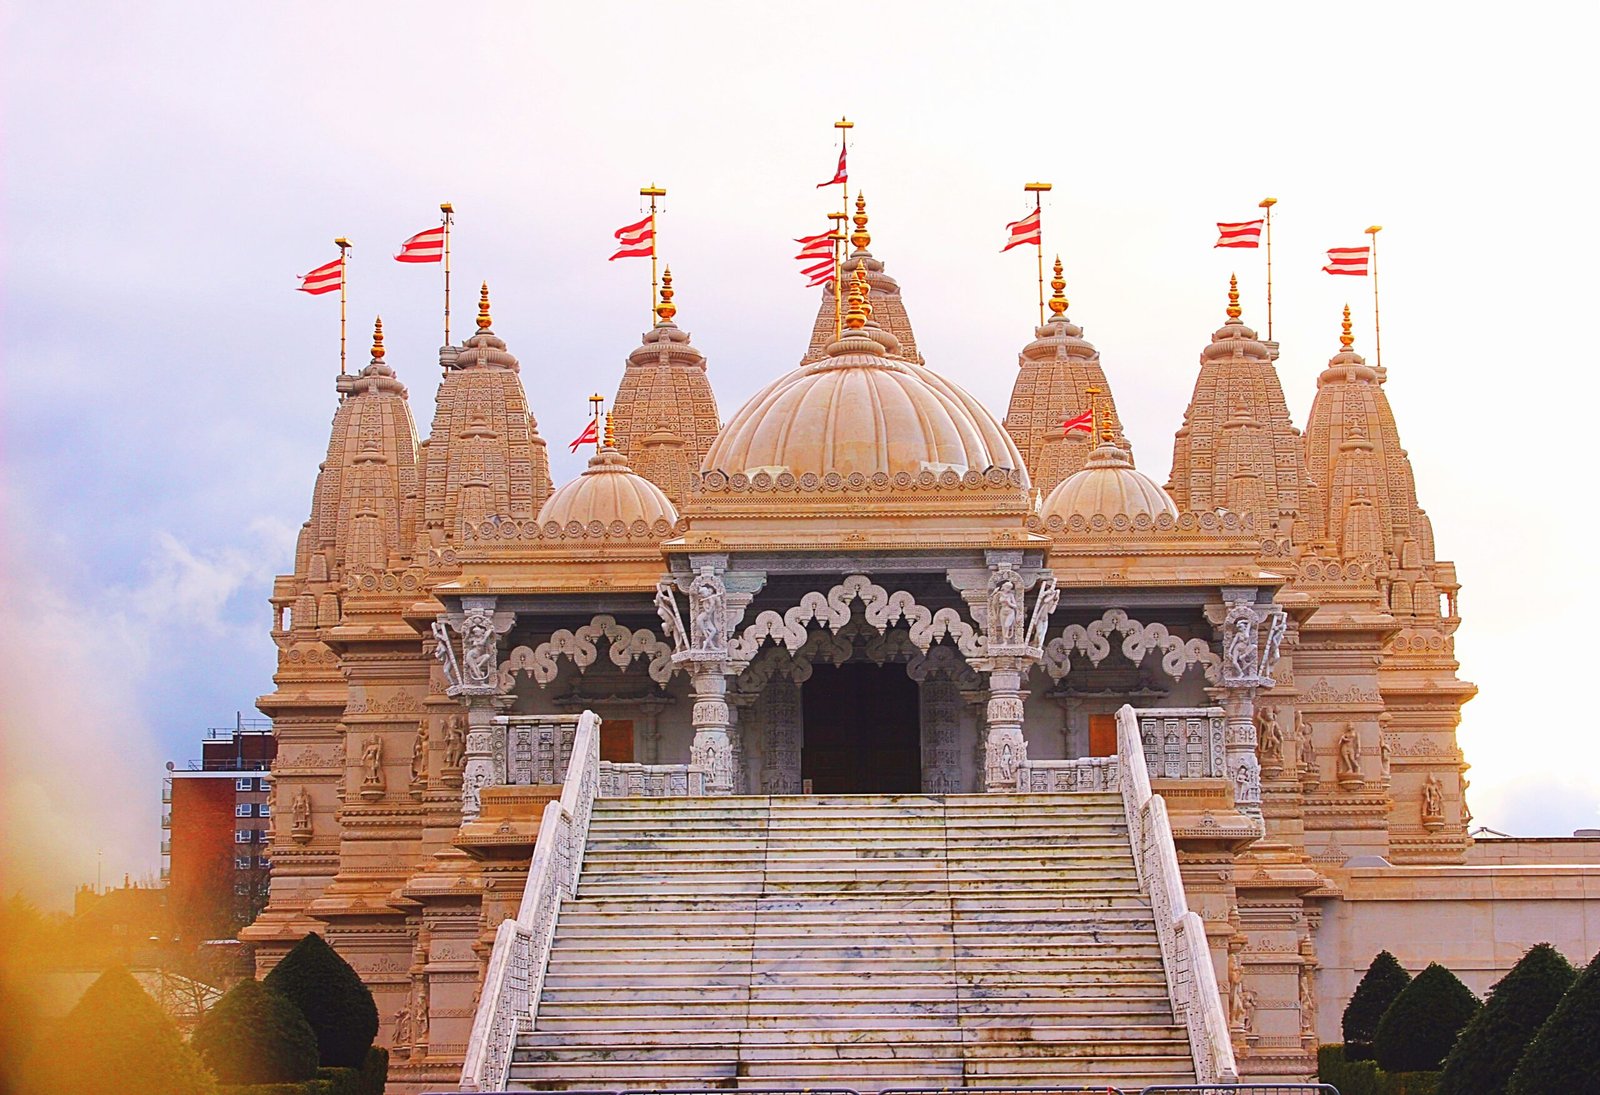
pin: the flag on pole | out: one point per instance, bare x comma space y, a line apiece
324, 279
1239, 234
816, 255
425, 246
1348, 260
1023, 231
1079, 423
590, 434
635, 241
840, 175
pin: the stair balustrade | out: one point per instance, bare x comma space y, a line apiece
515, 975
1191, 976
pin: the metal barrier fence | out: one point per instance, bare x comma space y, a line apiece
1231, 1089
1084, 1089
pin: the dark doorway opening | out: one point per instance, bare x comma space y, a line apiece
862, 731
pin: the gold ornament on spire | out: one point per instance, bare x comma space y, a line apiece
610, 435
1234, 311
856, 317
1347, 340
860, 238
1058, 300
377, 339
483, 308
666, 309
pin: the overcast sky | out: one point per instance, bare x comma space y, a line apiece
170, 168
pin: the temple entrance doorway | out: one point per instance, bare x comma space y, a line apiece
862, 732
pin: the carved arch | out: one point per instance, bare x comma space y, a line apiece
581, 646
943, 659
1094, 641
881, 610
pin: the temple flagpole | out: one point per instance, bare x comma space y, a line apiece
1038, 190
652, 192
838, 238
1267, 204
449, 212
344, 246
1377, 336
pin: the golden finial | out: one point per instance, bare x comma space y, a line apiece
1093, 391
861, 237
611, 435
666, 309
1234, 311
1058, 301
483, 307
856, 317
1347, 339
377, 339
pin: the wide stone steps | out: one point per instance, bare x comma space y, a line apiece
867, 942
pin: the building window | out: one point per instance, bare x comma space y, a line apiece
241, 863
242, 810
241, 889
242, 784
264, 810
243, 836
264, 862
263, 784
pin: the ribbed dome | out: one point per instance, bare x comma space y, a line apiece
858, 411
1108, 486
608, 491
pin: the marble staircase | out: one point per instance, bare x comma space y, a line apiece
858, 941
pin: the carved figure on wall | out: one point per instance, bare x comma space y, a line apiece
1005, 610
1008, 764
1240, 648
402, 1026
671, 618
372, 763
1275, 632
1432, 799
1236, 1001
300, 808
1349, 753
1308, 1000
477, 646
1385, 757
708, 601
1271, 734
445, 652
1251, 999
1043, 606
419, 754
455, 742
1308, 748
1466, 811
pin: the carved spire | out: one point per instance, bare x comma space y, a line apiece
1058, 299
666, 309
884, 300
861, 239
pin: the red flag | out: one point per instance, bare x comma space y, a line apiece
635, 241
1079, 423
1024, 231
839, 173
1347, 260
425, 246
1239, 234
590, 434
324, 279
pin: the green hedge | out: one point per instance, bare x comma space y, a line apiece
1384, 980
1489, 1047
374, 1072
1366, 1078
1564, 1056
254, 1036
1420, 1027
331, 996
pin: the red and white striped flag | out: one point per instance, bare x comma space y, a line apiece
816, 252
839, 173
1024, 231
590, 434
425, 246
635, 241
1079, 423
1348, 260
1239, 234
324, 279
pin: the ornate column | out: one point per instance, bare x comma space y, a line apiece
473, 679
1013, 643
1251, 637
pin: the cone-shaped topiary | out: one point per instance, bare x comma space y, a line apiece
1421, 1025
255, 1036
332, 998
1384, 980
1565, 1055
116, 1041
1489, 1047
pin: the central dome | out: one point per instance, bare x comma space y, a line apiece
860, 412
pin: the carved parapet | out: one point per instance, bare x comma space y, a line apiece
652, 780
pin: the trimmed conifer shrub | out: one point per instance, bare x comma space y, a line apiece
331, 997
1384, 980
1565, 1055
255, 1036
1421, 1025
1489, 1047
116, 1041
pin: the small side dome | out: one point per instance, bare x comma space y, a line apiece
1108, 486
608, 491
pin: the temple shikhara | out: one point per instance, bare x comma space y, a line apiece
866, 738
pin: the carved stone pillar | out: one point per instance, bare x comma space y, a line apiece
939, 700
779, 713
474, 678
1251, 638
712, 748
1005, 750
702, 648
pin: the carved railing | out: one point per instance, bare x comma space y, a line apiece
651, 780
1177, 743
511, 987
1085, 774
532, 748
1191, 977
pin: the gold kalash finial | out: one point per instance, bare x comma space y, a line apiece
1058, 300
483, 308
1234, 311
861, 238
666, 309
610, 434
1095, 413
1347, 340
856, 317
377, 337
